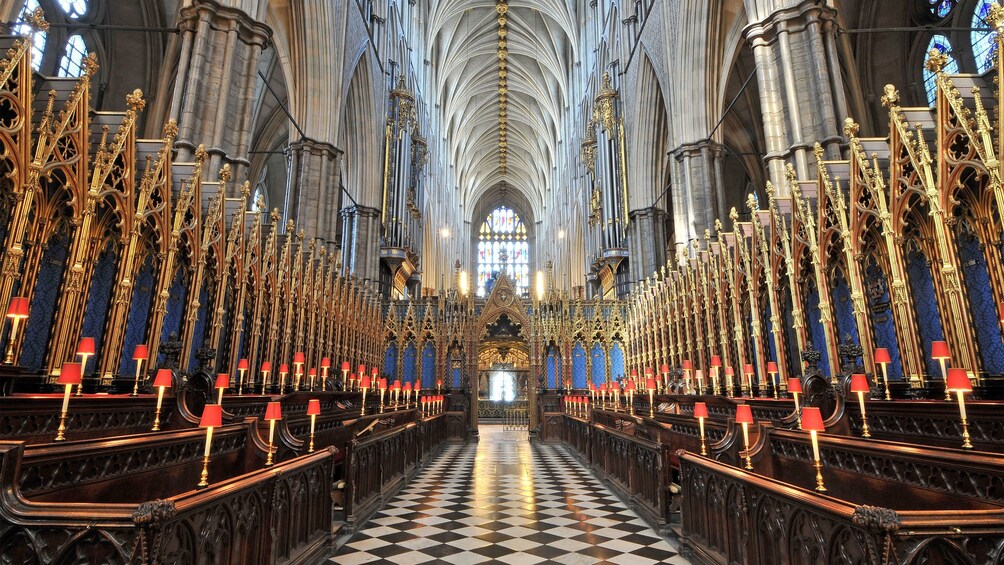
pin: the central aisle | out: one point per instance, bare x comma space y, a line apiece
504, 501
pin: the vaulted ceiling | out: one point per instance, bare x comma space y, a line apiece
464, 44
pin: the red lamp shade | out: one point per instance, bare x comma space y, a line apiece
140, 352
631, 386
312, 372
361, 369
591, 386
364, 382
716, 360
86, 346
70, 374
266, 367
407, 387
283, 368
603, 387
812, 419
687, 365
744, 414
939, 350
346, 366
313, 407
795, 385
163, 378
958, 380
650, 384
729, 372
664, 368
222, 380
18, 307
383, 383
748, 369
212, 416
326, 363
859, 383
298, 358
634, 373
375, 371
396, 385
243, 365
700, 410
882, 355
771, 367
273, 411
649, 371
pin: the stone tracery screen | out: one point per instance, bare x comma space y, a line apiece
502, 247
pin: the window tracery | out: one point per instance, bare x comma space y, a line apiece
502, 246
70, 50
981, 38
942, 44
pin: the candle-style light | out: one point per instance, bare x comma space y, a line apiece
17, 310
273, 413
140, 355
407, 395
212, 417
439, 386
716, 364
85, 349
649, 374
325, 365
617, 395
958, 382
69, 375
396, 391
242, 369
364, 383
283, 371
222, 384
772, 373
882, 359
701, 412
687, 366
592, 390
699, 379
416, 386
744, 416
298, 361
382, 385
664, 381
940, 352
859, 385
346, 383
812, 422
362, 371
631, 387
603, 396
160, 382
313, 410
795, 389
266, 368
748, 375
311, 376
651, 385
730, 376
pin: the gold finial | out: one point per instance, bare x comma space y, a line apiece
246, 189
171, 129
225, 173
850, 128
289, 226
299, 235
91, 65
936, 60
789, 174
135, 100
718, 224
201, 154
259, 202
769, 189
734, 214
751, 203
890, 96
275, 216
995, 16
817, 152
37, 20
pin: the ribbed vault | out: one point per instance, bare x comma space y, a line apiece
464, 44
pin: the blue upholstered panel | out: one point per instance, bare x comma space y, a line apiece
139, 311
99, 299
409, 369
816, 333
843, 308
43, 304
880, 314
599, 360
175, 307
199, 332
925, 304
390, 363
429, 366
982, 304
616, 361
578, 365
553, 369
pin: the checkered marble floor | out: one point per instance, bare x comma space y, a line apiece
504, 501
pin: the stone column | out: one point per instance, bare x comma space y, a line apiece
215, 85
801, 88
314, 197
697, 189
647, 241
361, 241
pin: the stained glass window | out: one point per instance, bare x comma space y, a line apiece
74, 8
982, 39
941, 8
941, 43
502, 247
22, 28
71, 65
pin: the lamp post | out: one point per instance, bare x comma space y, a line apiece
701, 412
958, 382
85, 349
17, 310
313, 410
212, 417
69, 375
859, 385
273, 413
160, 382
812, 421
140, 355
883, 359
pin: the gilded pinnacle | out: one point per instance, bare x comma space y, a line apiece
890, 96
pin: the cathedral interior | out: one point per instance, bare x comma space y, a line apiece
501, 281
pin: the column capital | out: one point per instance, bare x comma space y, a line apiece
792, 17
311, 145
225, 18
360, 210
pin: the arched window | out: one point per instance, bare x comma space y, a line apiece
982, 39
74, 8
941, 8
22, 28
503, 246
941, 43
72, 63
